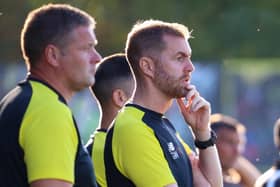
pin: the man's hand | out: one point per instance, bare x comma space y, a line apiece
196, 113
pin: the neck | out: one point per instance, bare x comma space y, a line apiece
53, 80
152, 98
108, 115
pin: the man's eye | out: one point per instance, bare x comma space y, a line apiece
180, 58
90, 46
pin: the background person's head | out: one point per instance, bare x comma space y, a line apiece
114, 81
151, 46
50, 24
230, 138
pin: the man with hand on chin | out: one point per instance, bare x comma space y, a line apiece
143, 148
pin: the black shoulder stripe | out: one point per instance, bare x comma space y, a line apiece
173, 150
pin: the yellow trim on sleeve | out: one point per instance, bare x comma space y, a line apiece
48, 137
98, 157
137, 151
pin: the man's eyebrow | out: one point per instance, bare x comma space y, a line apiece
183, 53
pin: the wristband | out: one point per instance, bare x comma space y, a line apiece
207, 143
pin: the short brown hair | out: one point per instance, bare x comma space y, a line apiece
50, 24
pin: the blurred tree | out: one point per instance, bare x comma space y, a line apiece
11, 20
222, 28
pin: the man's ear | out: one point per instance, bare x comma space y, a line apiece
119, 97
147, 66
52, 55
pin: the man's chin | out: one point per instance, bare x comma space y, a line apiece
183, 93
180, 95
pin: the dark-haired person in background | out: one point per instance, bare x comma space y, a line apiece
231, 141
113, 87
40, 143
271, 178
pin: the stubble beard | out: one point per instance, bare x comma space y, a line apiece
169, 84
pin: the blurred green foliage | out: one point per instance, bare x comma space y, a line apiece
222, 28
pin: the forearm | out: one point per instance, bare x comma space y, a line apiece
209, 164
50, 183
197, 115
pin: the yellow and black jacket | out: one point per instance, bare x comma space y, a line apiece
40, 139
144, 150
